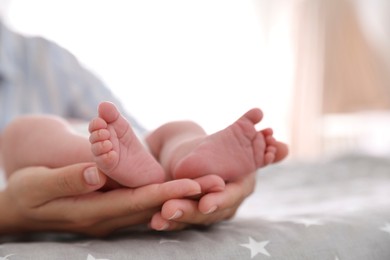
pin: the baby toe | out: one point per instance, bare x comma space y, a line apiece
269, 158
107, 161
96, 124
99, 136
100, 148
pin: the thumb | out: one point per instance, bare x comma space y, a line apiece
71, 180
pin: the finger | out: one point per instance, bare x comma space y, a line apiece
160, 224
211, 183
156, 194
177, 208
232, 196
117, 203
186, 212
211, 207
41, 184
111, 225
96, 227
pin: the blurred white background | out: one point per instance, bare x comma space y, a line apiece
317, 68
166, 60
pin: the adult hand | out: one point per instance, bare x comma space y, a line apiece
211, 208
67, 199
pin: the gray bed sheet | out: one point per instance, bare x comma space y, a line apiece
331, 209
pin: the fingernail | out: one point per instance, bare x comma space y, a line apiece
91, 176
194, 193
164, 227
177, 215
211, 210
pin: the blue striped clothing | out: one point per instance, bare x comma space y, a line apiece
39, 77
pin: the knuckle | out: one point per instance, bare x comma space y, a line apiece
135, 207
66, 185
79, 221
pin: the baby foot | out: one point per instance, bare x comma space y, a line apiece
231, 153
117, 151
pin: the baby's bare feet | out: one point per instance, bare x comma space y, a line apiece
232, 153
117, 151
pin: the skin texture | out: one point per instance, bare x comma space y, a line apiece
28, 145
181, 149
68, 203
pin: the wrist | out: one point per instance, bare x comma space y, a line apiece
10, 221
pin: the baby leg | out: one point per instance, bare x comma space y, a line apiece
42, 141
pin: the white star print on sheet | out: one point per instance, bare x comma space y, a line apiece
90, 257
163, 241
386, 228
83, 244
308, 222
256, 247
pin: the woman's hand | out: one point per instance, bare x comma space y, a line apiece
211, 208
67, 199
